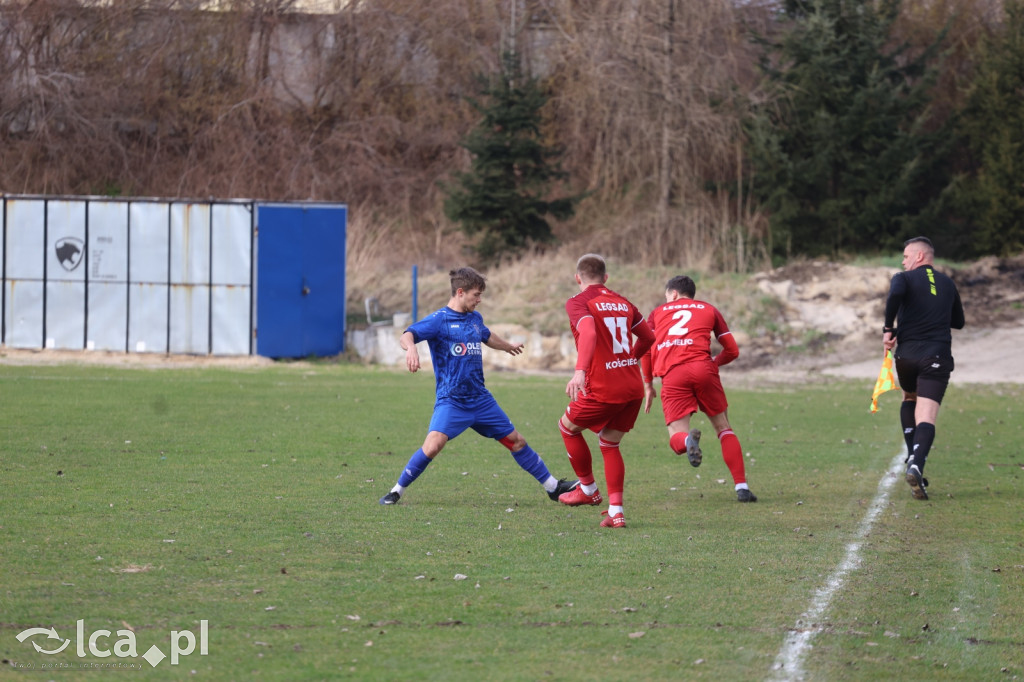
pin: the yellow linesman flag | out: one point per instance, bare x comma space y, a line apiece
886, 381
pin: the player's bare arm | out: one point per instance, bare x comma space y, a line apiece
646, 373
649, 393
575, 387
412, 356
498, 343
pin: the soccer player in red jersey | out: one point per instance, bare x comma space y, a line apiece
681, 356
606, 391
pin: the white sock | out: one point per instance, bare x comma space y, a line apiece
589, 488
742, 486
551, 484
398, 489
614, 509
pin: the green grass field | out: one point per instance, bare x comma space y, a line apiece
148, 501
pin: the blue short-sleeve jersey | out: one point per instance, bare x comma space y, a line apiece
455, 340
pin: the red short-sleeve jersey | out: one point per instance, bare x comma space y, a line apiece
682, 333
614, 372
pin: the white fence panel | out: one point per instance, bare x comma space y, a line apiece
108, 241
139, 275
190, 319
24, 268
65, 241
26, 248
147, 318
65, 274
65, 323
23, 313
108, 316
232, 245
231, 320
190, 244
149, 248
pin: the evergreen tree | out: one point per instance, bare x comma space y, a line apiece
502, 199
993, 121
841, 153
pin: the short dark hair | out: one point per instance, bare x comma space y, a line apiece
466, 279
682, 285
591, 268
927, 243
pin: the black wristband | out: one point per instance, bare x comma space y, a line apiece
887, 330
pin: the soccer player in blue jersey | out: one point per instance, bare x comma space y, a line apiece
455, 335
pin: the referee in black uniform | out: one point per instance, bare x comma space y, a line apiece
922, 306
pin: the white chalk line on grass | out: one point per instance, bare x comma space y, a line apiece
789, 663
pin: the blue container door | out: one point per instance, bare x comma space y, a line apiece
300, 306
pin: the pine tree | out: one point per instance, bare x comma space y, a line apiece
841, 153
502, 200
993, 121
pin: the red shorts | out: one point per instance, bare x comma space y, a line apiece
596, 416
690, 387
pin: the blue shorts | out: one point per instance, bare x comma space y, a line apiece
485, 417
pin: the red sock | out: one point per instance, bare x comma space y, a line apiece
732, 453
614, 471
579, 454
678, 442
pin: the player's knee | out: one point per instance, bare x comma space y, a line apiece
433, 444
720, 421
513, 441
567, 427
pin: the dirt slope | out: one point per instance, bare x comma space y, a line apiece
843, 306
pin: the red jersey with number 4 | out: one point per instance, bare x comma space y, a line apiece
614, 372
682, 331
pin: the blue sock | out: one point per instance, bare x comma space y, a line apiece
531, 462
417, 463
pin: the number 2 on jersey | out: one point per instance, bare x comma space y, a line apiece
620, 334
679, 328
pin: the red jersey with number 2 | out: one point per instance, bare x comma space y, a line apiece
614, 373
682, 331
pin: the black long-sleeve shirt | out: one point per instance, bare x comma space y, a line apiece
925, 305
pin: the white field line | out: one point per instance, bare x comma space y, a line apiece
789, 663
